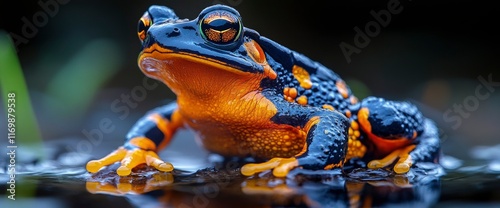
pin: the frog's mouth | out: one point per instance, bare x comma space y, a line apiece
156, 59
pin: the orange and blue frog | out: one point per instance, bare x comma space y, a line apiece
244, 95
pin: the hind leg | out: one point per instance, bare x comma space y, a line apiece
399, 133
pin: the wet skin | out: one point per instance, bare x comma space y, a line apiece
245, 95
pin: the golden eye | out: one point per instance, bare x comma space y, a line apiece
143, 26
220, 27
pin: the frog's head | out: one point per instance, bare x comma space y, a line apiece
201, 56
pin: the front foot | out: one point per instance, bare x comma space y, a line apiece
280, 167
324, 148
129, 159
403, 165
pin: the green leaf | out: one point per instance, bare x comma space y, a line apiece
17, 103
12, 81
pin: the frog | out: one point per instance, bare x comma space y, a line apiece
244, 95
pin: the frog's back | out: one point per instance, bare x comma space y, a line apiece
305, 81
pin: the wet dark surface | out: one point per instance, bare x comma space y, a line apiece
54, 184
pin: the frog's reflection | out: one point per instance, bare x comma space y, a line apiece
130, 185
329, 190
212, 188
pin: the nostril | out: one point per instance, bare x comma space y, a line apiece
175, 32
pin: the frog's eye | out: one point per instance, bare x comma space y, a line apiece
143, 26
220, 27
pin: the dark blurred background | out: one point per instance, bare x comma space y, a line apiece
82, 58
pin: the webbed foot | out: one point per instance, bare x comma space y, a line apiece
129, 159
403, 165
280, 167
